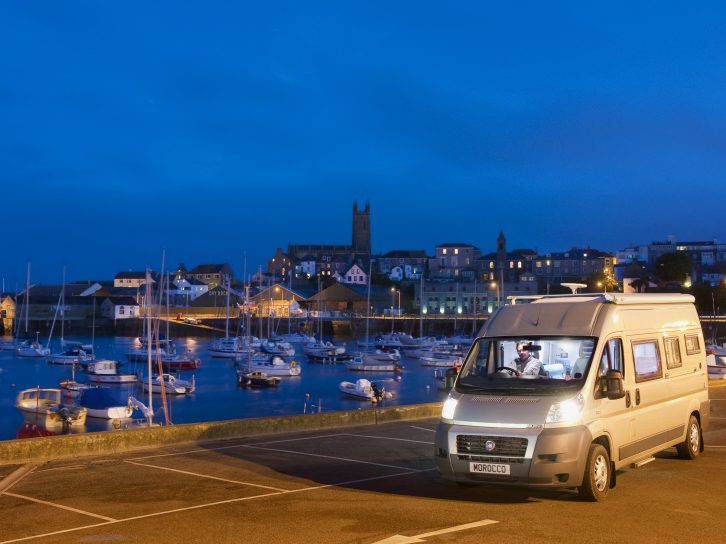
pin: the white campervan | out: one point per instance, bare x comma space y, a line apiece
561, 391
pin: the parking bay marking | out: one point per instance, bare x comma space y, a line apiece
401, 539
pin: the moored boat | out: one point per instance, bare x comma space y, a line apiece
107, 371
364, 390
170, 384
47, 408
100, 404
256, 379
362, 363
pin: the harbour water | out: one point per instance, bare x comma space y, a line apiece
217, 396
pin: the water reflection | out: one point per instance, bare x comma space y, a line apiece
217, 396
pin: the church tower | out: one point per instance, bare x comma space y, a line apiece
362, 229
501, 250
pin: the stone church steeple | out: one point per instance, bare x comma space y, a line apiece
362, 229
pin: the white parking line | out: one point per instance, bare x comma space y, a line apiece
392, 438
206, 505
205, 476
202, 450
424, 429
328, 457
31, 499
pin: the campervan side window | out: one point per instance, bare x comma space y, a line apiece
692, 345
672, 353
647, 360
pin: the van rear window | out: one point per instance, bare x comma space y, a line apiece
692, 344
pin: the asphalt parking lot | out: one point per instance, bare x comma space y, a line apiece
372, 484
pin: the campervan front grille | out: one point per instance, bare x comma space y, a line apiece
504, 446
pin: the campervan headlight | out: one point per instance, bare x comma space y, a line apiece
447, 412
566, 411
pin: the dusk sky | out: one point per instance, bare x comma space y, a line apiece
214, 129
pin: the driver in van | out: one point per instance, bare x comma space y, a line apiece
525, 364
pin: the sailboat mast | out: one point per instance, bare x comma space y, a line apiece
27, 296
420, 306
63, 307
147, 318
226, 321
368, 300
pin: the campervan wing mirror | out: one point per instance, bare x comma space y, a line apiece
611, 385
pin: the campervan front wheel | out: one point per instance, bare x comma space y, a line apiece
596, 482
691, 446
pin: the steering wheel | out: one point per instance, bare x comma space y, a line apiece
508, 369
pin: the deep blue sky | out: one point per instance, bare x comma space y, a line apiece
213, 129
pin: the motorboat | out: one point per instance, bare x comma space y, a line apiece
101, 404
107, 371
363, 363
364, 390
271, 365
256, 379
325, 352
47, 408
170, 384
442, 360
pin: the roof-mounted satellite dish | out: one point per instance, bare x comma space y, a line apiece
574, 286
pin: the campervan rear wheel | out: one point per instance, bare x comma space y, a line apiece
596, 482
691, 446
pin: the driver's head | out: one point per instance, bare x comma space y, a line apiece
523, 351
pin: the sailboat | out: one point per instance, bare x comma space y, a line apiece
230, 346
377, 361
34, 348
247, 377
72, 353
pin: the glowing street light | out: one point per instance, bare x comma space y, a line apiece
395, 292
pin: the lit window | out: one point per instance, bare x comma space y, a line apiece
511, 264
456, 251
519, 264
491, 264
444, 251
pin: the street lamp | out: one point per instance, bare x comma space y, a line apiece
395, 292
495, 285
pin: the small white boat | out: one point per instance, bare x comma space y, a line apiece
47, 407
272, 366
365, 390
100, 404
716, 366
71, 356
170, 384
442, 360
362, 363
33, 349
107, 371
257, 379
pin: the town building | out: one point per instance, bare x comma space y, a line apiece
402, 264
328, 259
211, 274
457, 261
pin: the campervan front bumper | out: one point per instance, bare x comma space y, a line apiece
535, 457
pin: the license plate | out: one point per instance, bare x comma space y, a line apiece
489, 468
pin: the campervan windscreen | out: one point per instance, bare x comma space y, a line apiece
541, 364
